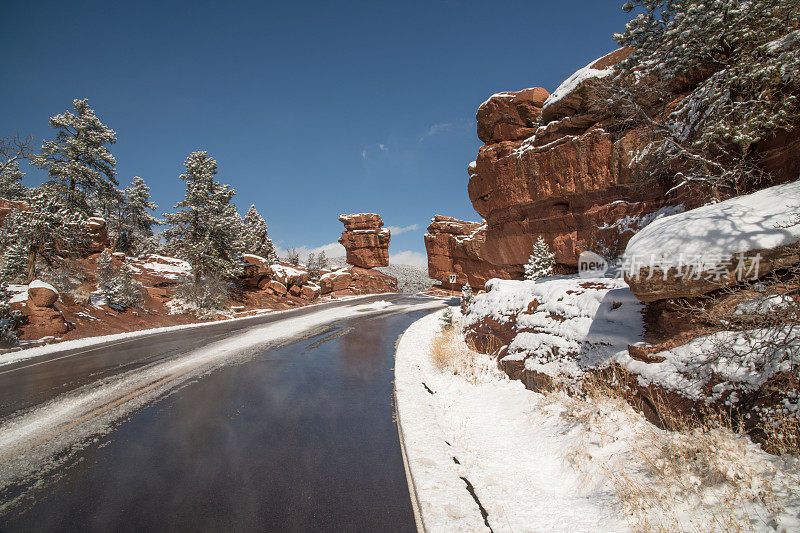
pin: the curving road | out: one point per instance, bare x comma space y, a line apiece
280, 422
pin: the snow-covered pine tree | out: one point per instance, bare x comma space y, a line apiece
12, 150
133, 233
255, 238
9, 320
15, 262
311, 265
11, 186
204, 231
79, 159
742, 56
541, 262
322, 261
47, 230
466, 295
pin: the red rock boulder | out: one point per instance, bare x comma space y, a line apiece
365, 240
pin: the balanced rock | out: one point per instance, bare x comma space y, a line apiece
365, 240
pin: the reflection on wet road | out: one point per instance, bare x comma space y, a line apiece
295, 438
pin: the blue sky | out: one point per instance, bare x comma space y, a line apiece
311, 109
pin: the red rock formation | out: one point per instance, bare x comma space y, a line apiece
43, 318
455, 249
366, 240
571, 182
7, 205
356, 280
97, 229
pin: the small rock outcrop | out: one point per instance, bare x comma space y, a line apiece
7, 205
365, 240
43, 317
455, 249
97, 230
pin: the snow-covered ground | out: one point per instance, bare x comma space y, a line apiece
539, 462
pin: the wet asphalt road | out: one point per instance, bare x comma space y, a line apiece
299, 437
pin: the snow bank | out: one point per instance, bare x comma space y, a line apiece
555, 463
754, 221
493, 435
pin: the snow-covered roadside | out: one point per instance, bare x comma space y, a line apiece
89, 342
35, 441
495, 435
551, 462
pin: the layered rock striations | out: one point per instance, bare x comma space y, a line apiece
365, 240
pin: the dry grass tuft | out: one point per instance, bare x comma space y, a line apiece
450, 353
702, 475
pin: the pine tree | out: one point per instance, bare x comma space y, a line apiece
322, 261
79, 159
11, 187
15, 262
204, 231
743, 59
131, 228
118, 285
255, 238
541, 262
47, 230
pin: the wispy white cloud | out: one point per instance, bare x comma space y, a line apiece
383, 148
364, 153
332, 249
397, 230
441, 127
409, 257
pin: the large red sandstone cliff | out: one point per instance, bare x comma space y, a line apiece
553, 166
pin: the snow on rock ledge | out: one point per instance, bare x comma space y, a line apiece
554, 326
745, 237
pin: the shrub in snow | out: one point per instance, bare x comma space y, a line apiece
118, 287
9, 320
211, 293
447, 320
541, 262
